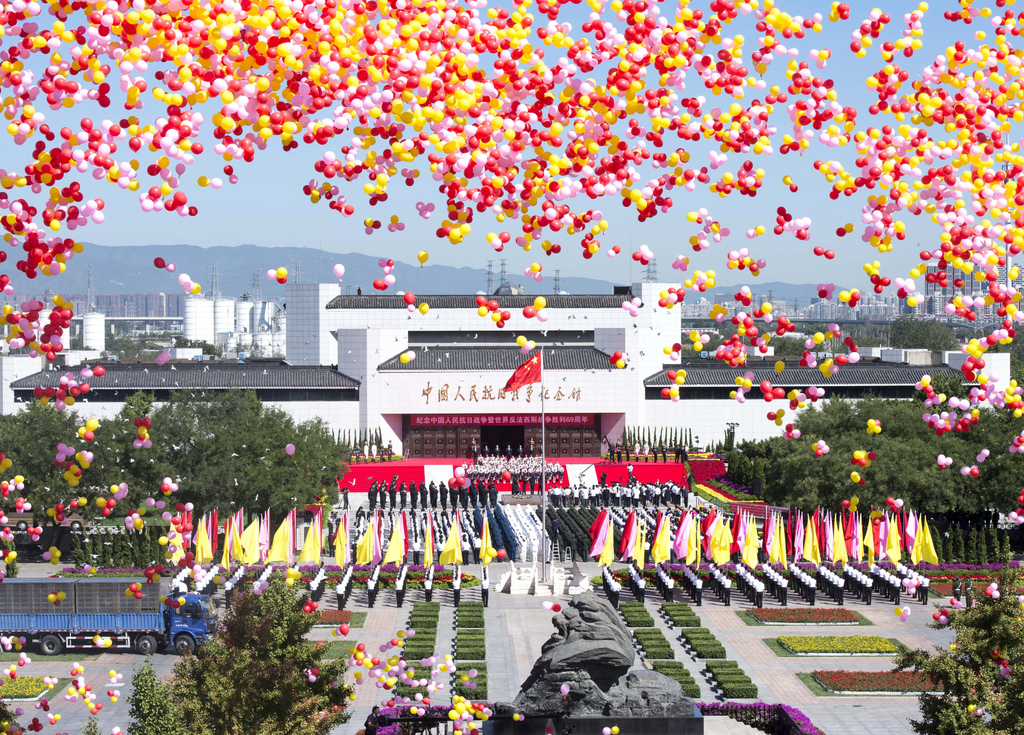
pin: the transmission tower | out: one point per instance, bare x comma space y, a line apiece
257, 289
490, 277
558, 281
214, 282
502, 279
652, 271
296, 274
90, 307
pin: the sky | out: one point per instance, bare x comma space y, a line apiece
267, 206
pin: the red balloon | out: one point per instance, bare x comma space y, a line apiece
410, 298
380, 284
506, 475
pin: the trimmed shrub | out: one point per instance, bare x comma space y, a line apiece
636, 615
675, 670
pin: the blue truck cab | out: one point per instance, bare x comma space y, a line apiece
98, 606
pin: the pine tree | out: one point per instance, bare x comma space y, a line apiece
77, 551
969, 671
152, 708
982, 548
993, 544
957, 534
1006, 552
106, 551
971, 556
261, 657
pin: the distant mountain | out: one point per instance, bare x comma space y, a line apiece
120, 270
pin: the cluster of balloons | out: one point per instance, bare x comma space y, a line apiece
388, 267
490, 308
526, 346
677, 377
633, 306
186, 282
944, 461
410, 304
903, 613
874, 426
407, 356
534, 271
537, 309
142, 427
88, 432
741, 260
618, 359
25, 327
861, 458
669, 297
280, 275
821, 448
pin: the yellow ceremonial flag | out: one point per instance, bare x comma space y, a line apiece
396, 546
250, 543
640, 543
341, 543
203, 551
869, 540
692, 545
841, 555
811, 551
928, 552
452, 551
750, 545
364, 550
777, 554
280, 550
428, 543
892, 543
661, 549
721, 544
312, 546
485, 541
608, 552
232, 546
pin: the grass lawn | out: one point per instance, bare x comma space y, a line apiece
811, 683
861, 620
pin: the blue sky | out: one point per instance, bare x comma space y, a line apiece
267, 206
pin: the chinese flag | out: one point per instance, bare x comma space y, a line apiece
528, 372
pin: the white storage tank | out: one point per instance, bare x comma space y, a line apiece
243, 316
263, 316
223, 315
94, 331
199, 324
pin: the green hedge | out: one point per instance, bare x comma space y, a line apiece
480, 693
680, 614
636, 615
734, 683
703, 643
470, 645
470, 615
675, 670
653, 643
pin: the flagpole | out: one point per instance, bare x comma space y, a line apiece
543, 478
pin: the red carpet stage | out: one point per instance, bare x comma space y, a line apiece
361, 475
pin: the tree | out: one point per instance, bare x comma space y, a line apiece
91, 728
197, 344
909, 333
152, 708
971, 671
261, 658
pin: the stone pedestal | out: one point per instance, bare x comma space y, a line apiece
521, 582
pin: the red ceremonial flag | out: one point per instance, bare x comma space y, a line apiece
736, 523
213, 531
528, 372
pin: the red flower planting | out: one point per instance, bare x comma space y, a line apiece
818, 616
875, 681
335, 617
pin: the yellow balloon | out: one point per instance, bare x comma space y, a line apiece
779, 366
424, 308
422, 257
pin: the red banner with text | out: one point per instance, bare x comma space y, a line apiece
503, 419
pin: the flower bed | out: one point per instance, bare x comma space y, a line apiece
900, 682
126, 572
24, 687
803, 616
636, 615
837, 645
653, 643
777, 719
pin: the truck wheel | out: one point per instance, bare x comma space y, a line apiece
184, 644
51, 645
145, 645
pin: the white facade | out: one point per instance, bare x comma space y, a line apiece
223, 316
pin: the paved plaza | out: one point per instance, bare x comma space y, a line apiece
518, 625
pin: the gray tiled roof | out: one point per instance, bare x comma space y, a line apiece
499, 358
800, 377
468, 301
196, 375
